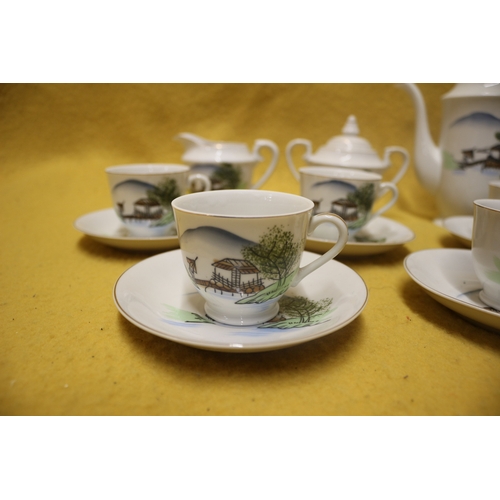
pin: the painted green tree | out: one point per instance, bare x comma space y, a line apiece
276, 254
303, 308
226, 177
495, 275
363, 197
164, 193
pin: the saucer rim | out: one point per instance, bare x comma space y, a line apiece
262, 346
466, 240
353, 248
163, 243
469, 311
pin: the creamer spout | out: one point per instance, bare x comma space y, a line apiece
189, 140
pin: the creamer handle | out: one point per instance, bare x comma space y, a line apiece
406, 161
266, 143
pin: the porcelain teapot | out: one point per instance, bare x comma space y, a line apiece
349, 151
468, 156
229, 165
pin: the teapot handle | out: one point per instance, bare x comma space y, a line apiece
265, 143
288, 154
406, 161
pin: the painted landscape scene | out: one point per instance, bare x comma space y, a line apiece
247, 272
146, 204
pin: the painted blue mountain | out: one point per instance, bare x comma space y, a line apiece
206, 241
132, 189
134, 184
345, 185
478, 118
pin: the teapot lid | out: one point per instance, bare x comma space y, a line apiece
348, 150
206, 151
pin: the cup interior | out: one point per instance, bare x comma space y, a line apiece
488, 203
147, 169
243, 203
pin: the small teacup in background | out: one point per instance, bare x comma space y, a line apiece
494, 190
142, 195
242, 249
346, 192
486, 249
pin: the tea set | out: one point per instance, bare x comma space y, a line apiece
246, 252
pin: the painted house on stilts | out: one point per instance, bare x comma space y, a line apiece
236, 276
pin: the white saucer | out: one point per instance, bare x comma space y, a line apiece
378, 236
105, 226
460, 226
157, 295
448, 276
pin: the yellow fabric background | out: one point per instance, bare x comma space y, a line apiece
65, 349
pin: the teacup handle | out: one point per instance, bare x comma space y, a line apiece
207, 183
406, 161
384, 187
265, 143
316, 220
288, 154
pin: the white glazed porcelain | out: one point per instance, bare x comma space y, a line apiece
458, 171
460, 226
486, 249
348, 151
157, 296
448, 276
242, 248
229, 165
105, 227
142, 195
347, 193
378, 236
494, 190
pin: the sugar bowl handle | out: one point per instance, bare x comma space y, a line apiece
406, 161
288, 153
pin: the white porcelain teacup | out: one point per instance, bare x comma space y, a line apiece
142, 194
242, 249
346, 192
486, 249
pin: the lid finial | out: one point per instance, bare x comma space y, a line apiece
351, 126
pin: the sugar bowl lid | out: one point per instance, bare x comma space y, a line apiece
348, 150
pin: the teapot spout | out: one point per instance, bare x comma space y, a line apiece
427, 155
189, 140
